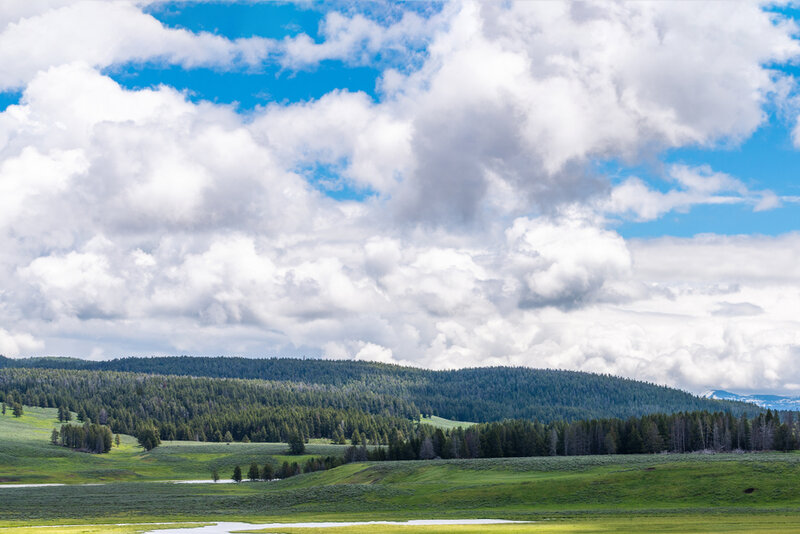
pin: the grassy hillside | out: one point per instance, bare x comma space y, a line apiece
480, 395
27, 456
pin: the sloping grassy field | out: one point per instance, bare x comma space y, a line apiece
28, 457
444, 424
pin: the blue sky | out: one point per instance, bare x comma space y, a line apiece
562, 185
766, 160
256, 86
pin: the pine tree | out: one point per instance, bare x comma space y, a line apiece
253, 473
237, 474
214, 475
283, 472
228, 437
148, 437
116, 440
267, 473
54, 437
18, 409
296, 443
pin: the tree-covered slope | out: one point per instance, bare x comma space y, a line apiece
478, 394
190, 408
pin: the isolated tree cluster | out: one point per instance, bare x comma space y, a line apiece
16, 407
285, 470
148, 437
88, 437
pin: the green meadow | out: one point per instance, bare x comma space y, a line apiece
758, 492
28, 457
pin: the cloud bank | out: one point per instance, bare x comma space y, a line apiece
140, 222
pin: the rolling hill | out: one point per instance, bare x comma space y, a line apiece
474, 394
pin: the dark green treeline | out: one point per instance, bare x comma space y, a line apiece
680, 432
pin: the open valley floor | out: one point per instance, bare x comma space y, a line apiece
135, 490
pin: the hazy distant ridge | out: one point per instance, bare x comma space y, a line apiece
774, 402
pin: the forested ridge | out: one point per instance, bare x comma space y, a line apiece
187, 408
476, 394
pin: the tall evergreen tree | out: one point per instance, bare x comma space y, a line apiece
268, 473
148, 437
253, 473
296, 443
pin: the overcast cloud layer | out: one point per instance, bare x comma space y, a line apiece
137, 222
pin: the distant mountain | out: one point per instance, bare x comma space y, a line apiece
773, 402
476, 394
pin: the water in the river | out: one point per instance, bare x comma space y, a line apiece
229, 528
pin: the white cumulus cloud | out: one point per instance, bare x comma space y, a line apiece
695, 186
39, 35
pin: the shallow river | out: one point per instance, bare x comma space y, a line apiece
229, 528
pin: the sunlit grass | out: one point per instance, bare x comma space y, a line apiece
27, 456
